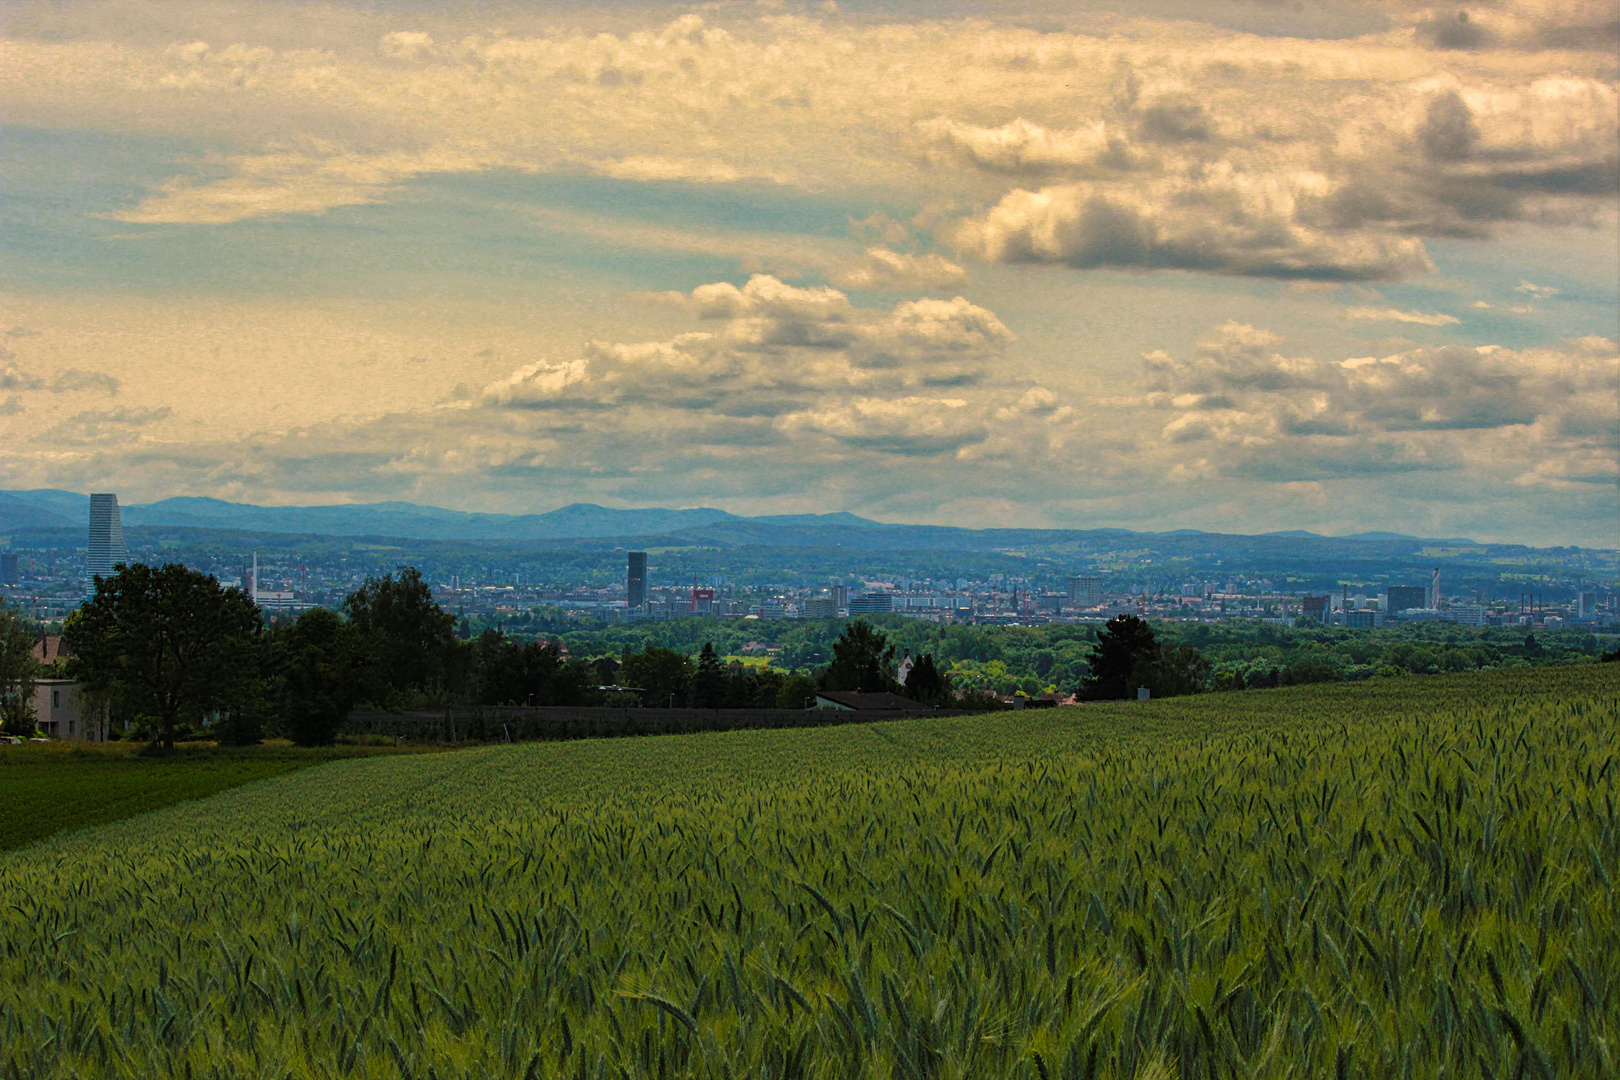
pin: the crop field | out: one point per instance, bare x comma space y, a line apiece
1397, 878
62, 786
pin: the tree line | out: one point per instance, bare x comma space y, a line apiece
167, 653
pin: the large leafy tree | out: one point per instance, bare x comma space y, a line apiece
926, 683
1125, 642
664, 673
411, 638
709, 680
324, 668
18, 672
1175, 670
797, 691
863, 659
168, 643
529, 673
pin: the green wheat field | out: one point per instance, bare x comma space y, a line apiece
1398, 878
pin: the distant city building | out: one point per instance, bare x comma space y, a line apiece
9, 574
820, 607
1357, 619
106, 547
1434, 589
1586, 602
1314, 608
871, 604
1402, 597
635, 581
268, 599
1085, 591
702, 601
1468, 615
840, 599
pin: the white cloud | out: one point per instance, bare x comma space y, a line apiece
1020, 146
1497, 411
1221, 221
1421, 318
911, 426
777, 349
1173, 145
290, 182
883, 269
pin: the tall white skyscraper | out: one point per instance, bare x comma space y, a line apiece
1085, 591
106, 548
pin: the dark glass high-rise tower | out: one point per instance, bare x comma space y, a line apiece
106, 548
635, 581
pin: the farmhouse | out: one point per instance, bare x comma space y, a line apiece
60, 714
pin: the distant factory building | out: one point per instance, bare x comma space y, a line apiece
1085, 591
635, 581
1314, 608
1402, 597
106, 547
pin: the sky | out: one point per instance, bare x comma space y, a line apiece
1238, 265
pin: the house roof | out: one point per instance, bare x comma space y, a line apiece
48, 649
851, 699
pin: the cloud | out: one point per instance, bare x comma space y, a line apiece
695, 170
1530, 25
777, 349
290, 182
1176, 145
1023, 147
908, 426
99, 424
67, 381
1540, 292
887, 270
1335, 190
14, 378
1500, 411
776, 388
74, 379
1422, 318
1222, 222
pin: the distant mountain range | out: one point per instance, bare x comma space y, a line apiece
52, 509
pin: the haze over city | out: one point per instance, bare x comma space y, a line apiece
1340, 266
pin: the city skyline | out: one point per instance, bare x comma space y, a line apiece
1235, 267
